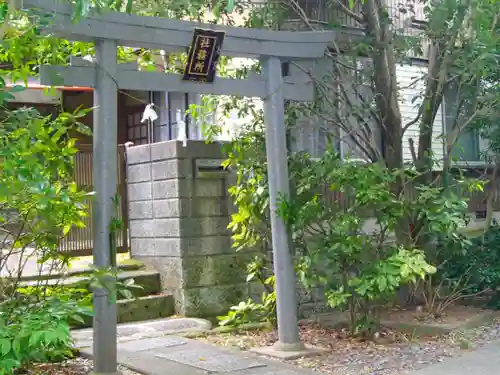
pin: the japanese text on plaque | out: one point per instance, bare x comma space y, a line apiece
203, 55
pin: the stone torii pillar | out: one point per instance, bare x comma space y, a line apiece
114, 29
279, 187
104, 177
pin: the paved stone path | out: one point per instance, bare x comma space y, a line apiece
145, 330
181, 356
150, 348
483, 361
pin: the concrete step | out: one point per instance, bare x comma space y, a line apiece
149, 302
139, 310
130, 265
148, 279
145, 308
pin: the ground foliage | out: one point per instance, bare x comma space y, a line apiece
477, 266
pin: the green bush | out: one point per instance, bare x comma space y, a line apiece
39, 204
477, 265
79, 296
360, 270
33, 330
252, 311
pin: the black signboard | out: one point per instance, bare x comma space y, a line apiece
203, 55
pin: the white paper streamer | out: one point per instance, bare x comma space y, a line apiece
89, 58
181, 128
149, 113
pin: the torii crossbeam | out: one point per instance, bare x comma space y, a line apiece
112, 29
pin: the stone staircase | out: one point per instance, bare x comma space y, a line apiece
149, 302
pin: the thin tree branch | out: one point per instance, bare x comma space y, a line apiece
358, 18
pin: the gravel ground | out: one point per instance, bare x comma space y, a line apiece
75, 366
392, 354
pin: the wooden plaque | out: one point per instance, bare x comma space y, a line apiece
203, 55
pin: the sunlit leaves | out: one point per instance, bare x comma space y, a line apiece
36, 178
82, 8
37, 331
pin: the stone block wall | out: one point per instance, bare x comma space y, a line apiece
178, 225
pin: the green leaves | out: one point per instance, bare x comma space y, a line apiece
37, 331
38, 194
251, 311
81, 8
386, 275
5, 347
474, 267
230, 6
36, 179
243, 313
342, 218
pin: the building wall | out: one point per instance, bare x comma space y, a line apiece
309, 136
39, 96
411, 88
33, 92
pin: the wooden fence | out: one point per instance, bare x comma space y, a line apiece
79, 240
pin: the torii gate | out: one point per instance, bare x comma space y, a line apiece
112, 29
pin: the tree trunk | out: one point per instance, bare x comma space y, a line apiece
386, 94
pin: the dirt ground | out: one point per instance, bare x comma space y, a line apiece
75, 366
390, 353
453, 315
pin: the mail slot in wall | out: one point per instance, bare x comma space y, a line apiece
210, 168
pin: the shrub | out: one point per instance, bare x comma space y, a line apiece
359, 269
476, 267
39, 204
34, 330
252, 311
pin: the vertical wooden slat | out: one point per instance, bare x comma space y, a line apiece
122, 191
78, 242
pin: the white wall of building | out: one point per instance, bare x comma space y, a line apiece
411, 87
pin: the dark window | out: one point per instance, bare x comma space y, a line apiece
457, 109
